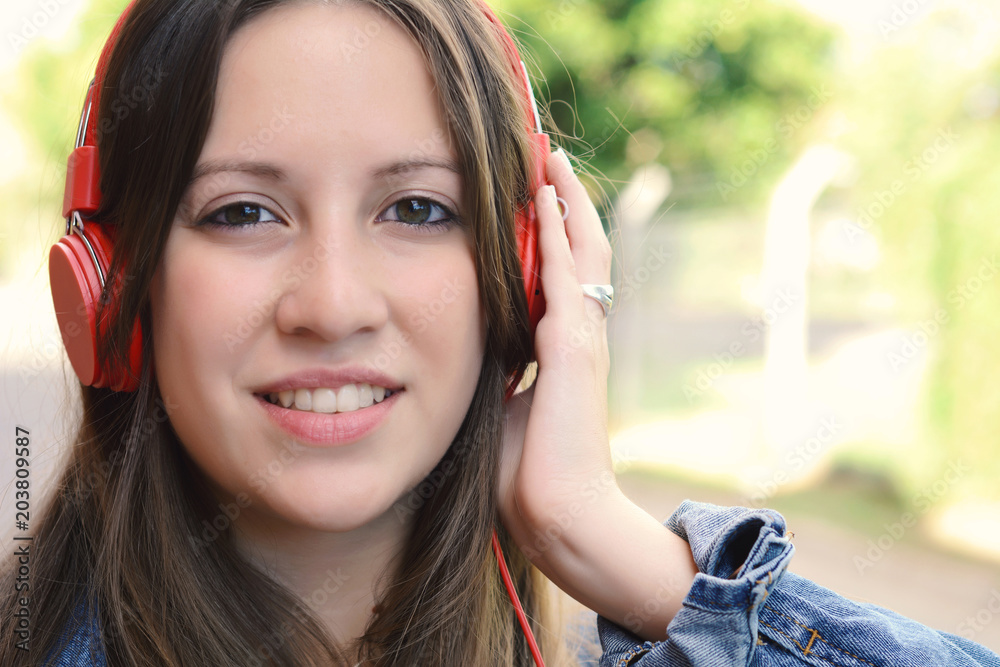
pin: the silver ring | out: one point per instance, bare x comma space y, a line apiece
603, 294
563, 207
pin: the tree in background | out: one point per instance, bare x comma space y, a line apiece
703, 87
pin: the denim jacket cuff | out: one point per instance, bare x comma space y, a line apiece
741, 554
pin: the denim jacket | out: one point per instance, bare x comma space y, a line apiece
742, 609
745, 609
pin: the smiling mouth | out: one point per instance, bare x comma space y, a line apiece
325, 400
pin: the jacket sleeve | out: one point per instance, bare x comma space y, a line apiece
745, 609
80, 644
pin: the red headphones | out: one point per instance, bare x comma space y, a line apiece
79, 263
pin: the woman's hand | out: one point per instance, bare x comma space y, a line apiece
558, 494
556, 442
568, 401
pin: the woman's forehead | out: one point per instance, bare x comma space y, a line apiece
326, 80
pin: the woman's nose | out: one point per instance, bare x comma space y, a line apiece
332, 288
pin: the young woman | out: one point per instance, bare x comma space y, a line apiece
298, 439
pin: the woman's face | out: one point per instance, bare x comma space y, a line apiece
319, 251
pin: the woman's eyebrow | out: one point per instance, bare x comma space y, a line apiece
272, 172
406, 166
262, 169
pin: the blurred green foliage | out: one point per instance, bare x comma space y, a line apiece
698, 86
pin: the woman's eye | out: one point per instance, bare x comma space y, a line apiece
418, 212
239, 214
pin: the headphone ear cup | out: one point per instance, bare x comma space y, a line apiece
527, 248
76, 293
527, 242
526, 226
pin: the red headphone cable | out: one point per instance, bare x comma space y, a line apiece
521, 618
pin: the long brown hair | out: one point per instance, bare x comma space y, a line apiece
122, 537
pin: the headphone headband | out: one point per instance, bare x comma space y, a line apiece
97, 86
82, 195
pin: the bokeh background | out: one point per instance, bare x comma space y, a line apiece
802, 196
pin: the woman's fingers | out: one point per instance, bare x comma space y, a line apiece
556, 447
590, 246
573, 252
558, 265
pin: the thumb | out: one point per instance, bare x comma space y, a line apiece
516, 414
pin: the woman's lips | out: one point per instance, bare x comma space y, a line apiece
329, 430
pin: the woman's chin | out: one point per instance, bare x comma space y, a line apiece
328, 512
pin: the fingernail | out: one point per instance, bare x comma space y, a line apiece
564, 157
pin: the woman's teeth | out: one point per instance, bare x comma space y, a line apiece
348, 398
